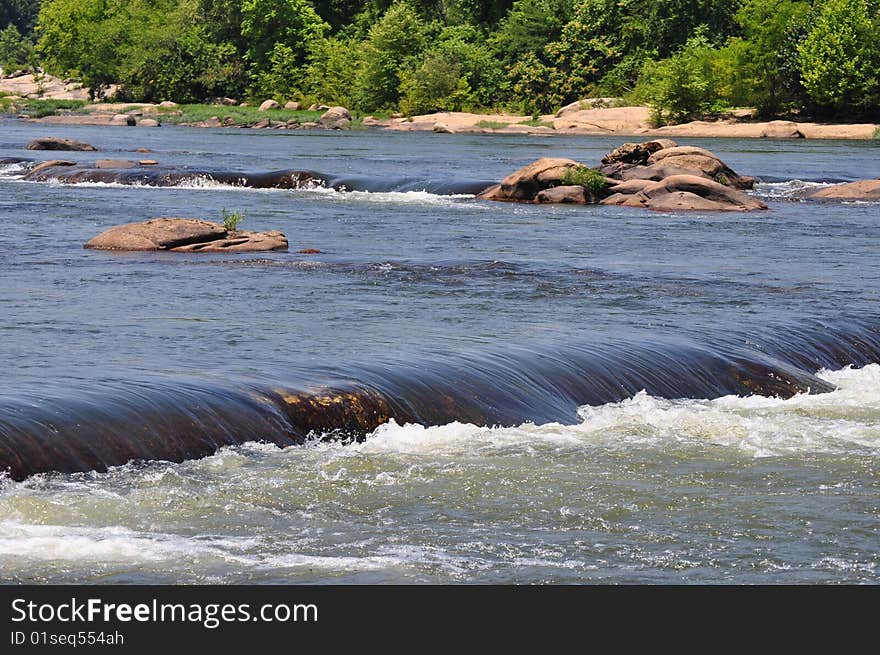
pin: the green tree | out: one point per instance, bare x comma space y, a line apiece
332, 69
393, 47
684, 86
15, 50
840, 58
752, 67
20, 13
279, 31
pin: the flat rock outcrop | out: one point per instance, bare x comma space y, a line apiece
55, 143
185, 235
864, 190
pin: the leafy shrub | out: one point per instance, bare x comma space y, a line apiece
435, 85
231, 220
589, 178
684, 86
839, 57
393, 46
16, 51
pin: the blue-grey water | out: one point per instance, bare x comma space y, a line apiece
648, 490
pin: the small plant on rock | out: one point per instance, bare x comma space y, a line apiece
231, 220
589, 178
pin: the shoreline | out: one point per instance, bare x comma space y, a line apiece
621, 121
589, 117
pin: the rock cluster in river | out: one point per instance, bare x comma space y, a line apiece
185, 235
659, 175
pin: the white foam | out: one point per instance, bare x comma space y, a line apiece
789, 190
844, 421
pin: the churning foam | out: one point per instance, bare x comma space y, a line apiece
843, 421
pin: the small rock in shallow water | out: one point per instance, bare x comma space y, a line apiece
55, 143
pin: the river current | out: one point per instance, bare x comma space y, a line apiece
677, 483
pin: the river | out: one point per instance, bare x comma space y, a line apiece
647, 470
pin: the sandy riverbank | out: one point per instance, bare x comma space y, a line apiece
628, 121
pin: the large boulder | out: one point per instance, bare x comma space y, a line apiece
864, 190
336, 117
52, 163
701, 162
292, 105
636, 153
565, 195
525, 184
55, 143
266, 105
123, 119
684, 192
184, 235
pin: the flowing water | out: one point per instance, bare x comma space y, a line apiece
570, 387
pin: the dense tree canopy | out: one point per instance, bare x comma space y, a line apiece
686, 57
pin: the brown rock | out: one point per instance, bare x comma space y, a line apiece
167, 103
544, 173
631, 186
115, 163
636, 153
266, 105
866, 190
52, 163
148, 162
334, 115
185, 235
308, 251
441, 128
143, 150
370, 120
261, 125
688, 193
148, 122
782, 130
54, 143
123, 119
292, 106
494, 192
157, 234
240, 241
701, 162
566, 195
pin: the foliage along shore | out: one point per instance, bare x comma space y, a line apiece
685, 60
579, 118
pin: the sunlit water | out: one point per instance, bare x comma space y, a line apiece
741, 490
